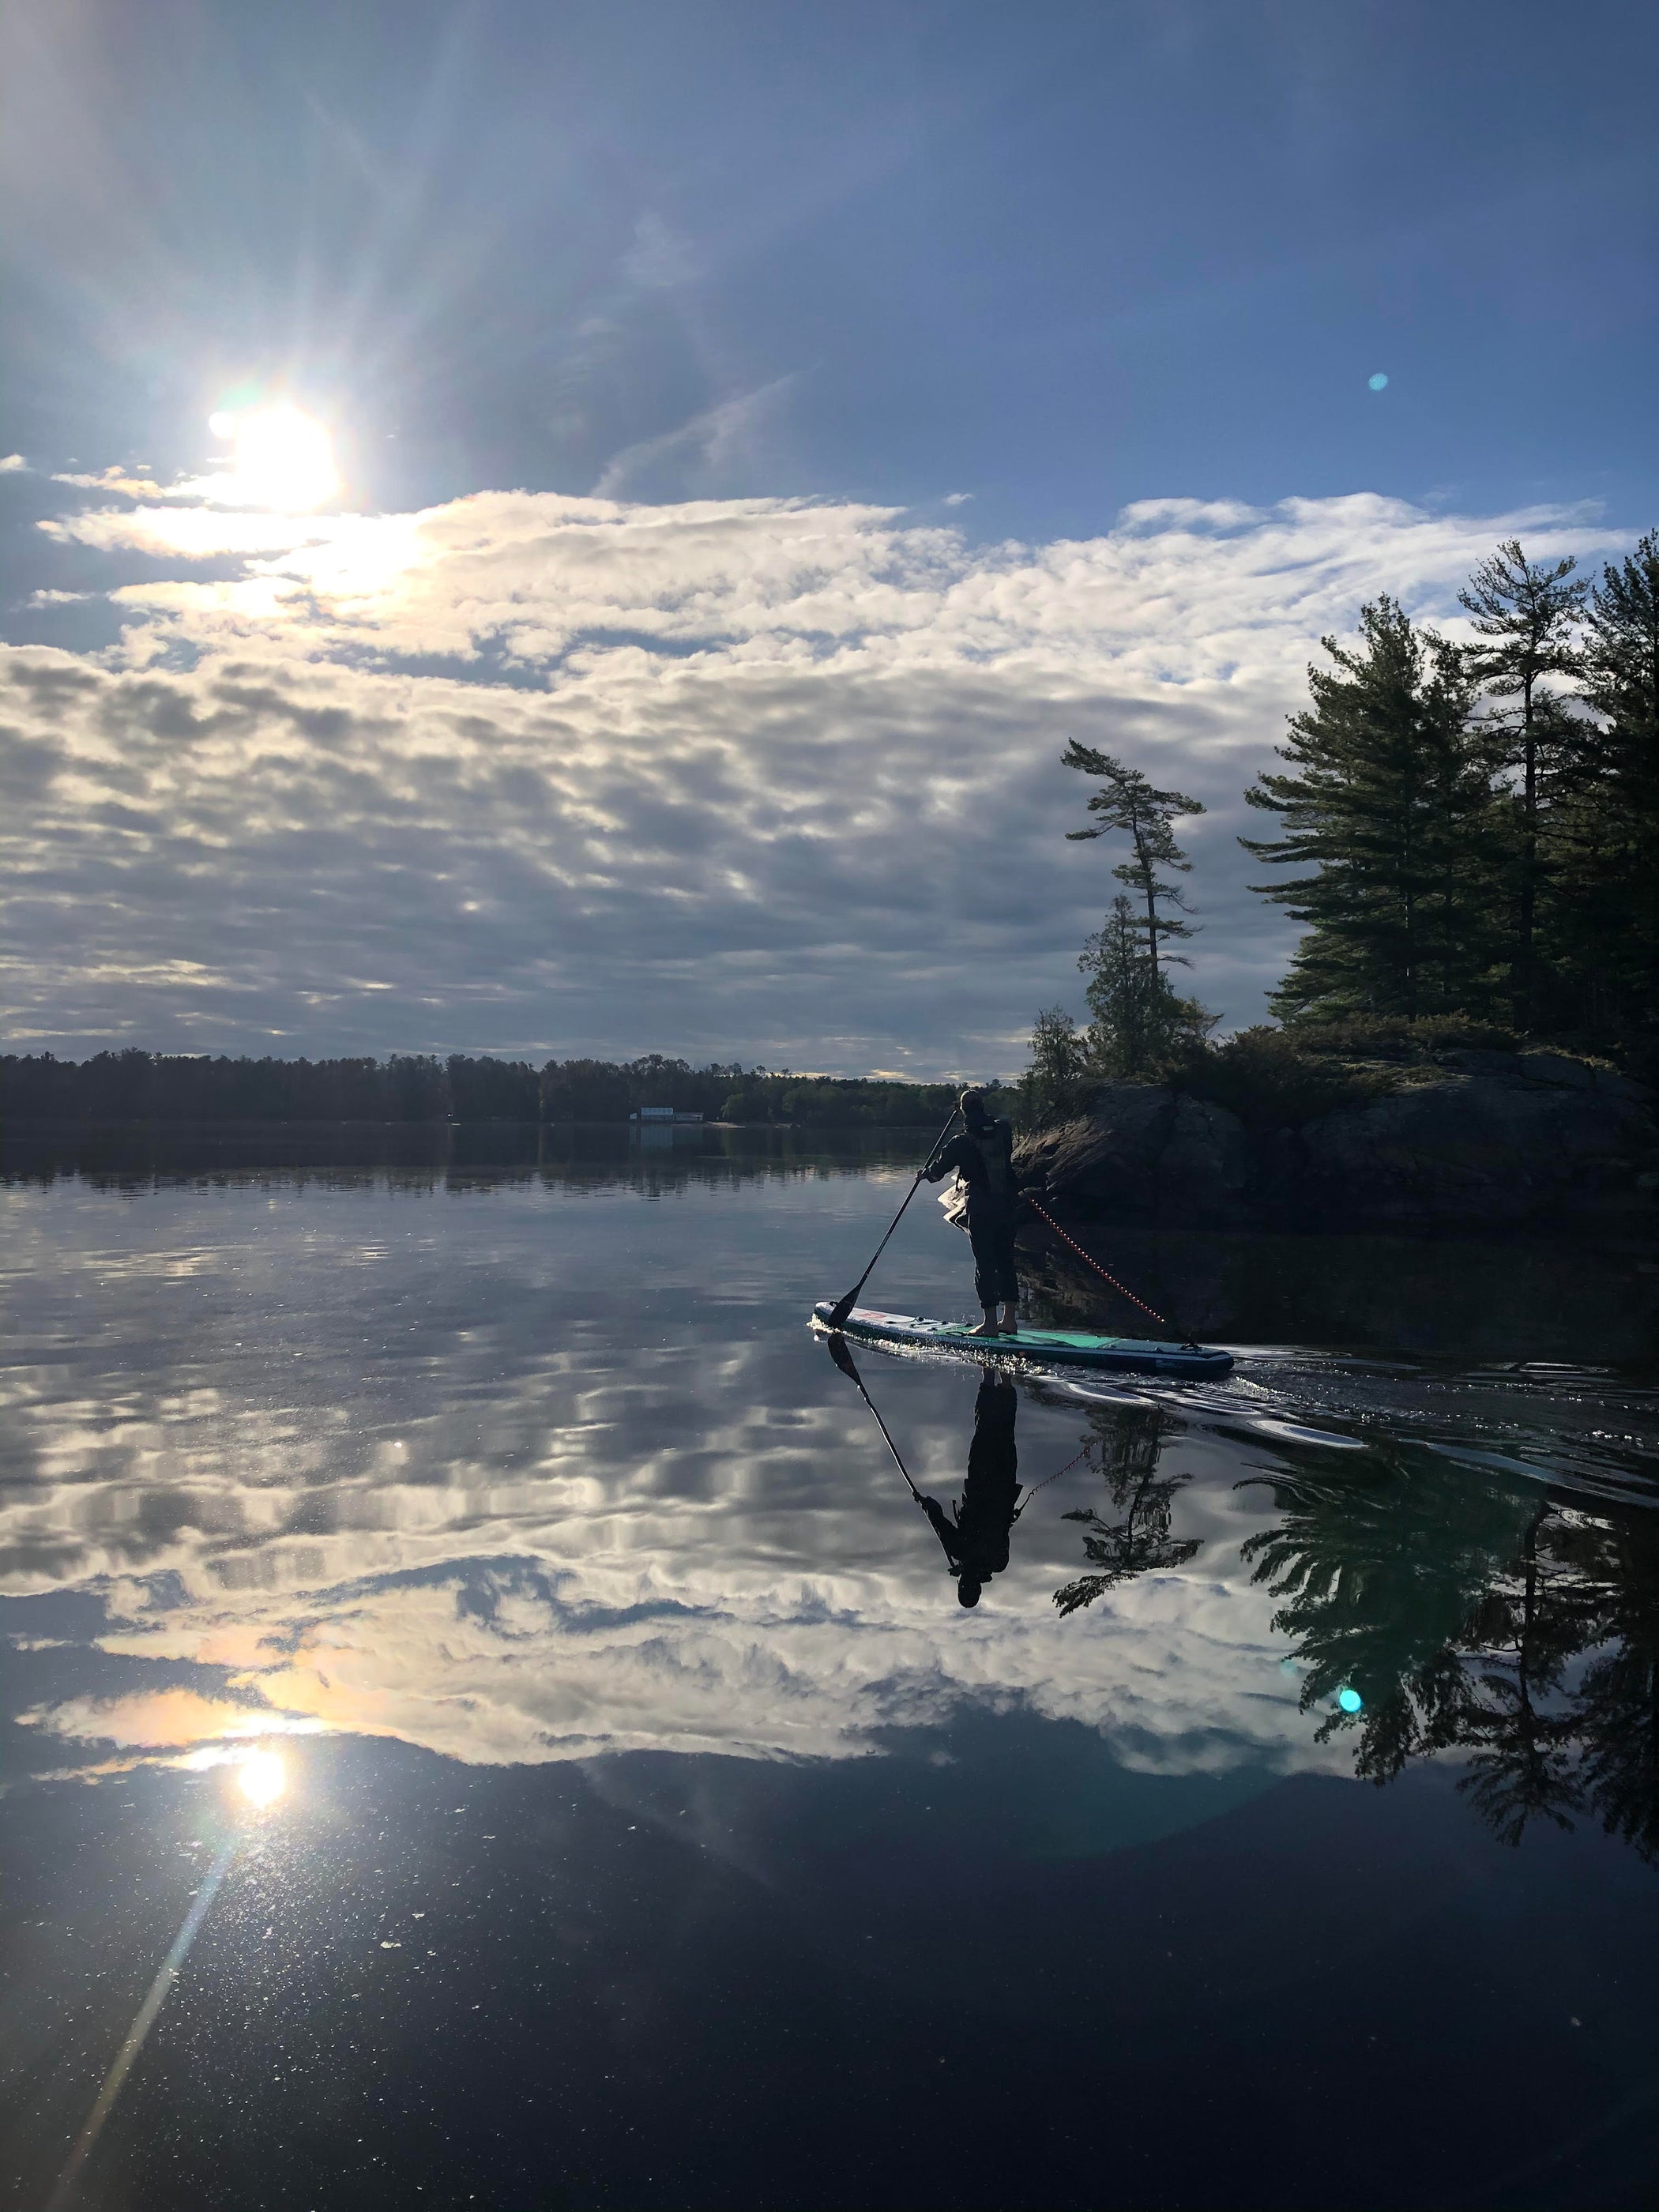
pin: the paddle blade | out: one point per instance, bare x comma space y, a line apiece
843, 1308
843, 1358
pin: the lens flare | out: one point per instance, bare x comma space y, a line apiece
263, 1777
280, 458
1379, 382
1350, 1700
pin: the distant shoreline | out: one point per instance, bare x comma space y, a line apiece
419, 1090
102, 1124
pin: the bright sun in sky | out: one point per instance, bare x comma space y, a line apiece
280, 458
262, 1776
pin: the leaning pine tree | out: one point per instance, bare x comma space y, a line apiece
1387, 806
1140, 1021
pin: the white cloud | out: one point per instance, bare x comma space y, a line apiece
10, 464
722, 440
659, 259
763, 778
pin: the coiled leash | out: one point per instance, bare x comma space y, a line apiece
1075, 1247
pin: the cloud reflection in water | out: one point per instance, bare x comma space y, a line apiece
488, 1469
495, 1476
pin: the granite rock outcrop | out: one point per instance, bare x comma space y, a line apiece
1478, 1141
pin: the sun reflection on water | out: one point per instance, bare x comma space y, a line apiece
263, 1777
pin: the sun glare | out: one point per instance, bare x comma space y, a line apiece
263, 1776
280, 458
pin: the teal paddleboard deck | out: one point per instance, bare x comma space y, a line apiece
1048, 1348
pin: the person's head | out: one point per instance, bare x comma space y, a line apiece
974, 1109
967, 1590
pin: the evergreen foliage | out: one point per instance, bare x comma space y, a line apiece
1388, 803
1525, 614
1059, 1076
1127, 802
1604, 937
1471, 838
1139, 1017
1140, 1020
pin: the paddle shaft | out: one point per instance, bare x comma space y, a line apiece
843, 1307
843, 1359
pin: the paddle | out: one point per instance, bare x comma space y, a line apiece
843, 1307
843, 1359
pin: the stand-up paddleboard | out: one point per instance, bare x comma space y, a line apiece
1053, 1347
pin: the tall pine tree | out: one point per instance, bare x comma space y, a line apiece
1524, 614
1387, 806
1608, 927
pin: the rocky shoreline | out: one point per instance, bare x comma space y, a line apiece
1479, 1141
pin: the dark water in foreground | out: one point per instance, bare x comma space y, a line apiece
652, 1825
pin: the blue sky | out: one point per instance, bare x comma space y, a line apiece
997, 276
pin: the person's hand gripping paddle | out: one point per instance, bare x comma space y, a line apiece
843, 1307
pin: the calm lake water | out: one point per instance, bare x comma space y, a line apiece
647, 1824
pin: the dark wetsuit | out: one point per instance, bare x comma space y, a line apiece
975, 1533
985, 1161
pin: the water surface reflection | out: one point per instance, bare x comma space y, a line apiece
641, 1753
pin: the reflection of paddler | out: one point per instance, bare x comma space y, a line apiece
975, 1533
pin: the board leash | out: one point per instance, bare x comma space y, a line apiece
1094, 1264
1054, 1477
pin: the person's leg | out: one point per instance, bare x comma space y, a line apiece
1007, 1283
981, 1235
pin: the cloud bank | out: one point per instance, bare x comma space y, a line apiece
762, 779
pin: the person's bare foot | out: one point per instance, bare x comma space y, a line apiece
986, 1327
1010, 1321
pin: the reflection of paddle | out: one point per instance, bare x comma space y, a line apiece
843, 1359
843, 1307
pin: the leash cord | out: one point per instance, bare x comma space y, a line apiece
1095, 1264
1054, 1477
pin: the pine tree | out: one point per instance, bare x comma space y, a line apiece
1389, 804
1609, 922
1526, 615
1060, 1065
1119, 993
1140, 1023
1128, 802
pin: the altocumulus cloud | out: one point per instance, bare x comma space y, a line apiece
762, 779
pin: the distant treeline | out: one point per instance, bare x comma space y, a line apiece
134, 1085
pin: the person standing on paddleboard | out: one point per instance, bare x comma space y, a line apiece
983, 1157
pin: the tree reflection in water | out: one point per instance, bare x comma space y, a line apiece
1141, 1542
1479, 1616
1472, 1612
